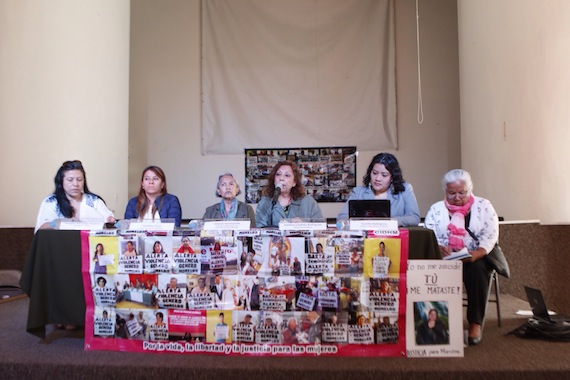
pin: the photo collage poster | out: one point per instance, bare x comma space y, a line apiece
262, 292
328, 173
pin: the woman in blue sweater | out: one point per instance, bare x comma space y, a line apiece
383, 180
154, 201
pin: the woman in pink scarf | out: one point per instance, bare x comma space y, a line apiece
463, 220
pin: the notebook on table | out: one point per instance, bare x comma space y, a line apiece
369, 208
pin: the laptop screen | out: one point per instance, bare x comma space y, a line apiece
536, 301
369, 208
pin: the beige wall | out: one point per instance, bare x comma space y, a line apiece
165, 102
64, 68
514, 104
65, 81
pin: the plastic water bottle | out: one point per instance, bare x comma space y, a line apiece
196, 224
342, 224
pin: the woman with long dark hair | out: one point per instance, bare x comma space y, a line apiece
72, 198
384, 180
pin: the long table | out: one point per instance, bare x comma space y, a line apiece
52, 275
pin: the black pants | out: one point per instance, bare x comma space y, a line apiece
476, 277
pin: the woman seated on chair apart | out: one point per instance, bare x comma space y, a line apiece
464, 220
229, 207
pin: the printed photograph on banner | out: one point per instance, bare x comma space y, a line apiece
186, 244
312, 325
294, 330
131, 324
306, 293
350, 294
383, 294
200, 296
130, 260
334, 327
186, 255
319, 257
360, 328
243, 329
385, 327
158, 254
329, 293
356, 261
382, 257
232, 295
158, 329
104, 254
187, 325
145, 318
249, 292
218, 326
104, 292
136, 290
219, 255
318, 293
104, 322
281, 255
277, 293
268, 329
344, 248
431, 321
171, 293
260, 247
248, 265
286, 255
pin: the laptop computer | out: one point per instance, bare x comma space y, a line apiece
539, 309
369, 208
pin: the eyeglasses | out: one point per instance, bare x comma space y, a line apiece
453, 194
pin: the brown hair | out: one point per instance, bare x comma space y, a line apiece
296, 192
143, 203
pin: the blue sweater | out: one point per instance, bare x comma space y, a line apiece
170, 208
403, 206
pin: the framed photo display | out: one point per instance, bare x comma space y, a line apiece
328, 173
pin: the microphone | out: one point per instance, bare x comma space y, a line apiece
277, 191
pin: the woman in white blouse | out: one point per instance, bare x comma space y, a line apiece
72, 199
463, 220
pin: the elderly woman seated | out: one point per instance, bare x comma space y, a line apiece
463, 220
229, 207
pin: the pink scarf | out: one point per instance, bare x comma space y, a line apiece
456, 225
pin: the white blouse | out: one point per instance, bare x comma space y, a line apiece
92, 207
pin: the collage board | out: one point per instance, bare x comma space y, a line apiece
254, 287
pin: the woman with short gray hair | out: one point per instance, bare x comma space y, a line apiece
463, 220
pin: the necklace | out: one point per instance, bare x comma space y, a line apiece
286, 207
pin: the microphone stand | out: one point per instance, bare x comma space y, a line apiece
273, 202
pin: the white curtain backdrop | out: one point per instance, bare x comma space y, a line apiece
298, 73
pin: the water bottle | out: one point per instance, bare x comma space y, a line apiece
196, 224
342, 224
